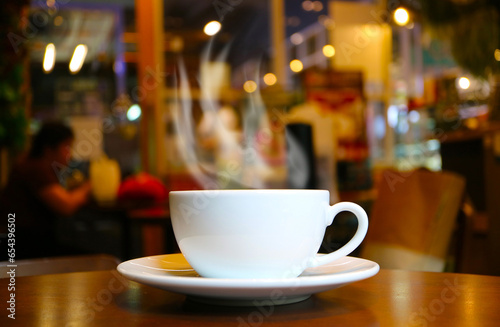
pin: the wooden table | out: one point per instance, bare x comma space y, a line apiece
391, 298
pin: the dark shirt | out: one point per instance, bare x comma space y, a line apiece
35, 222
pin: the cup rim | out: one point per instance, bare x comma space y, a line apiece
254, 191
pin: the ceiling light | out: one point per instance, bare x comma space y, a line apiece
250, 86
296, 65
317, 6
270, 79
296, 38
212, 28
49, 57
78, 58
134, 112
463, 83
329, 50
307, 5
326, 21
401, 16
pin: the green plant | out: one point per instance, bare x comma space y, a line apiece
13, 120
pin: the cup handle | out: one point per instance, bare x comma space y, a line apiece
355, 241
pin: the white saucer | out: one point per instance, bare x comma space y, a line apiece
172, 272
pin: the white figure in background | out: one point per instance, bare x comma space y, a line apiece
220, 135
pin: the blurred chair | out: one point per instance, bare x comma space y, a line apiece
156, 228
59, 265
413, 219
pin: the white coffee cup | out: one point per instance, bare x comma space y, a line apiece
257, 233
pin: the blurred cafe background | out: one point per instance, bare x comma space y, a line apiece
392, 104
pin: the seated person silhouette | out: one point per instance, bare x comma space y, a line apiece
35, 196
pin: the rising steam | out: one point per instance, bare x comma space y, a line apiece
239, 149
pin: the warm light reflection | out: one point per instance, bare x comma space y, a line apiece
307, 5
212, 28
402, 296
296, 38
471, 123
326, 21
497, 54
78, 58
296, 65
329, 50
401, 16
49, 58
250, 86
463, 83
270, 79
317, 6
177, 44
58, 21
